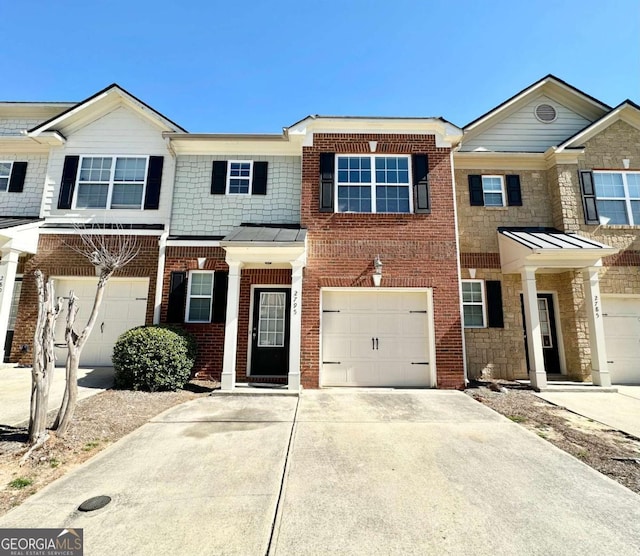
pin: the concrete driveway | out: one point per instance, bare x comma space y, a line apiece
620, 411
339, 472
15, 390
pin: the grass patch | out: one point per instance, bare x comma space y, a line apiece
90, 445
21, 482
53, 462
517, 418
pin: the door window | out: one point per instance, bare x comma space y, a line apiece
272, 319
545, 325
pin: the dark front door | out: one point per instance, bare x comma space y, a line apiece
550, 348
270, 332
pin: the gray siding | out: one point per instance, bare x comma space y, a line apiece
26, 203
13, 126
197, 212
523, 132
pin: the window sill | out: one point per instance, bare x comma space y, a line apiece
619, 227
497, 208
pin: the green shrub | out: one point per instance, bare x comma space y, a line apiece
153, 358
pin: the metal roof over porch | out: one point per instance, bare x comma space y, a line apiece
548, 249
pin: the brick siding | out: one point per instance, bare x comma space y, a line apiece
56, 257
417, 250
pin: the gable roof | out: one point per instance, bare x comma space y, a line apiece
112, 90
550, 83
627, 110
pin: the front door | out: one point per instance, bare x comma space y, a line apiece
550, 348
270, 332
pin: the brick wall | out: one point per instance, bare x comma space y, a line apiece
56, 257
210, 336
417, 250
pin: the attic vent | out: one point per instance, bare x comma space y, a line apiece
546, 113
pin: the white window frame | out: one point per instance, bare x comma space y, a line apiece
10, 162
111, 183
482, 303
230, 177
373, 182
627, 197
502, 190
190, 297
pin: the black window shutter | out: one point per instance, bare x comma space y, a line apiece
494, 304
589, 197
177, 296
16, 181
514, 194
220, 285
154, 181
475, 191
421, 200
219, 177
327, 169
259, 185
68, 182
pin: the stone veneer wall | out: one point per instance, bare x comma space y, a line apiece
478, 225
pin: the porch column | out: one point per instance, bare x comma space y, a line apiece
228, 381
8, 268
537, 372
295, 324
593, 303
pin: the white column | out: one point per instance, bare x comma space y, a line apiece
8, 268
228, 381
537, 372
593, 303
295, 323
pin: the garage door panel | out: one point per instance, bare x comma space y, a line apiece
123, 307
622, 338
397, 320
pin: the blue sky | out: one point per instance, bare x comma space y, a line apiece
256, 66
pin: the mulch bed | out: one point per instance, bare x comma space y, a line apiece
98, 422
608, 451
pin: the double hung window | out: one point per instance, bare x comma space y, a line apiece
111, 182
473, 303
5, 175
378, 184
493, 191
239, 177
618, 196
199, 296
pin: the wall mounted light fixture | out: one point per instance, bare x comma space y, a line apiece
201, 262
625, 163
377, 275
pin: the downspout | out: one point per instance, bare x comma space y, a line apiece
162, 248
461, 308
162, 241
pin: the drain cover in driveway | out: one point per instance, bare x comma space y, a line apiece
94, 503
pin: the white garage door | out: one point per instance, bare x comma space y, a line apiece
375, 338
622, 337
124, 306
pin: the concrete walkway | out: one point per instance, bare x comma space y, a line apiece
15, 390
356, 472
619, 411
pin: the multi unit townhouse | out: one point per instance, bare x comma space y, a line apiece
548, 199
344, 251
